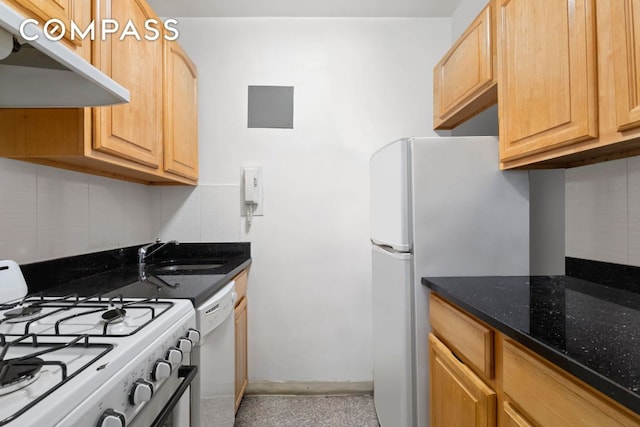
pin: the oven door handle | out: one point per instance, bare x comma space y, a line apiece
186, 372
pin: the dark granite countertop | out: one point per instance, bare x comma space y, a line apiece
114, 273
590, 330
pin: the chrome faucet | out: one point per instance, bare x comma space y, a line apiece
142, 252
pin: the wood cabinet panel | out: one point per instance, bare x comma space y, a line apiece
122, 142
66, 11
458, 396
241, 351
132, 131
180, 113
512, 418
626, 44
550, 398
464, 80
241, 283
548, 96
473, 340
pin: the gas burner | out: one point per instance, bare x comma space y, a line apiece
23, 313
20, 375
114, 315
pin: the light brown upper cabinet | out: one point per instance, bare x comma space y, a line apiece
132, 131
568, 82
547, 62
626, 43
464, 81
151, 140
67, 11
180, 113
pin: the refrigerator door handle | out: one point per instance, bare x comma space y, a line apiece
388, 250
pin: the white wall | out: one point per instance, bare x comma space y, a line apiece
359, 83
48, 213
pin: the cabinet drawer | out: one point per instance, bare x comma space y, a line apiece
458, 396
472, 340
550, 398
241, 285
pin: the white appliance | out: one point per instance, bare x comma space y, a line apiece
214, 387
96, 361
439, 207
45, 73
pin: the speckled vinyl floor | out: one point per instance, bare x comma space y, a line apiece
311, 411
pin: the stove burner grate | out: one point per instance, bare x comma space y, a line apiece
23, 313
20, 374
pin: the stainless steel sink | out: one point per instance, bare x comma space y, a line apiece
187, 267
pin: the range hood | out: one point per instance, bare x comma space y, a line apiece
45, 74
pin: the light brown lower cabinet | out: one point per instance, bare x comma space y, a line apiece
526, 389
458, 396
241, 351
242, 371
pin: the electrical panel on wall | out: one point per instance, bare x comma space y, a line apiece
270, 107
251, 192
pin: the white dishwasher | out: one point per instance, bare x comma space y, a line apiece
213, 390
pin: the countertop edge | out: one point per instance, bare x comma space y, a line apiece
213, 289
599, 382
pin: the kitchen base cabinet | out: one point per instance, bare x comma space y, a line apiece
242, 373
512, 418
549, 397
241, 351
527, 389
458, 396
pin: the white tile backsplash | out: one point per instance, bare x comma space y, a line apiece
597, 213
17, 210
62, 213
107, 202
633, 165
180, 214
50, 213
220, 213
139, 222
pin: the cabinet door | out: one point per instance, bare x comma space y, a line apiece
463, 81
626, 60
242, 373
458, 397
512, 418
547, 93
78, 11
180, 113
131, 131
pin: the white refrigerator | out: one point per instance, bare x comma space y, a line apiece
439, 207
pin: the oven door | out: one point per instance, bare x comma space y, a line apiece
170, 406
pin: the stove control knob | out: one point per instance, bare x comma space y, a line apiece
174, 356
112, 418
142, 391
161, 370
185, 345
193, 335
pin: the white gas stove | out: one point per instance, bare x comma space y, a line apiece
77, 361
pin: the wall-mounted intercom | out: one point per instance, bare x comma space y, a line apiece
252, 204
